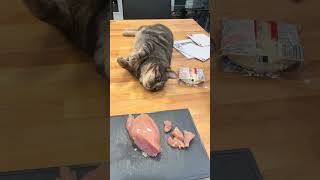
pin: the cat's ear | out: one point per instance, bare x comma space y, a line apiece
171, 74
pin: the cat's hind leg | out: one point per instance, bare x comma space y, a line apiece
141, 53
134, 59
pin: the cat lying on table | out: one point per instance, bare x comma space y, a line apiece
150, 60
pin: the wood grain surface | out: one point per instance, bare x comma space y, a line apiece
277, 119
128, 96
52, 102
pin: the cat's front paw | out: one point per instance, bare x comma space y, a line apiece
123, 62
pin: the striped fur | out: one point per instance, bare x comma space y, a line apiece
151, 58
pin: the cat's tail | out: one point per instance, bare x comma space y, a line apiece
130, 32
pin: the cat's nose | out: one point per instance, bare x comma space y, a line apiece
147, 86
157, 86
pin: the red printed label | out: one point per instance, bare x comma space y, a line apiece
274, 30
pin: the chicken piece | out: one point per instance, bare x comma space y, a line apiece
172, 142
177, 133
145, 134
180, 143
175, 142
167, 126
188, 137
129, 121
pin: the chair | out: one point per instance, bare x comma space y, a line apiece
146, 9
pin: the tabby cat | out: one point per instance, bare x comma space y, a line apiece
85, 22
151, 58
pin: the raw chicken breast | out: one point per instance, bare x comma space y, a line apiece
188, 136
167, 126
178, 134
145, 134
129, 121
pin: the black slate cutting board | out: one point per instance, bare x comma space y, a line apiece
172, 164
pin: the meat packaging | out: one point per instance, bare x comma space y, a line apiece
261, 47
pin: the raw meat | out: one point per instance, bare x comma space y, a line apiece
167, 126
188, 136
129, 121
172, 142
175, 142
180, 143
145, 134
178, 134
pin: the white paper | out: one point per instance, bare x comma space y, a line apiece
179, 44
191, 50
201, 53
200, 39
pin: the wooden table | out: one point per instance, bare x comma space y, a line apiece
128, 96
52, 101
277, 119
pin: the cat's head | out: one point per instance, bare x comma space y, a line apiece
154, 76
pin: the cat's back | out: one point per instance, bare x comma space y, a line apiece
157, 31
158, 39
159, 28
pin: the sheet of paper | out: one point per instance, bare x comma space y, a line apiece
179, 44
201, 53
200, 39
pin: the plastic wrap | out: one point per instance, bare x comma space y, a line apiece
260, 48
